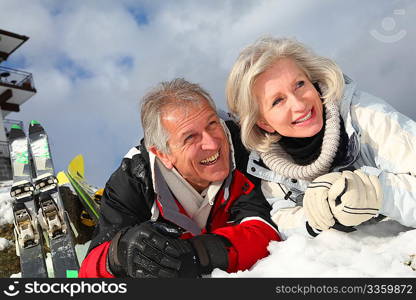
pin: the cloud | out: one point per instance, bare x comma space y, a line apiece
93, 60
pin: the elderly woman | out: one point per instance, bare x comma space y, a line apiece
329, 155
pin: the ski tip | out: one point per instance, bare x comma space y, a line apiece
62, 178
16, 132
76, 166
34, 122
35, 128
15, 126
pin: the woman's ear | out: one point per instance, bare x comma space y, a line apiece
265, 126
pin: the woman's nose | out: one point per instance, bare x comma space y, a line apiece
297, 104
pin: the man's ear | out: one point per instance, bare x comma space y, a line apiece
265, 126
164, 158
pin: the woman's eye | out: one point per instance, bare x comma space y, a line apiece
300, 84
277, 101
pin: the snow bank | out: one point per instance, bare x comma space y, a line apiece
6, 211
376, 250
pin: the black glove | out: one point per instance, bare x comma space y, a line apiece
154, 250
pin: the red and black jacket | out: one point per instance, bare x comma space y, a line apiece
242, 215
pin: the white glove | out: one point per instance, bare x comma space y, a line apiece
355, 197
315, 201
349, 197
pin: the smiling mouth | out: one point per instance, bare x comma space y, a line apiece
210, 160
305, 118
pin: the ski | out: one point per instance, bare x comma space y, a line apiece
28, 233
86, 192
52, 215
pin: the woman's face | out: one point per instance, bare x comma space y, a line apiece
288, 101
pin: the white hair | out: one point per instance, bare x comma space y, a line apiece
256, 59
177, 92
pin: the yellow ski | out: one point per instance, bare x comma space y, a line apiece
75, 174
62, 178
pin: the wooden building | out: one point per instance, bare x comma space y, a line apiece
16, 87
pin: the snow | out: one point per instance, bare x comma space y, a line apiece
6, 212
4, 243
373, 250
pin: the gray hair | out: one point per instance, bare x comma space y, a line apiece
175, 92
256, 59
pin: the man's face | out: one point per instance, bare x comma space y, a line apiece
200, 150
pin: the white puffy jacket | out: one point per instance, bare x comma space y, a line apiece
382, 142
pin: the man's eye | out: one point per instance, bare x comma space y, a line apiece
300, 83
277, 101
189, 138
212, 123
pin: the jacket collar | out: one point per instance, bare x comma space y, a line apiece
345, 105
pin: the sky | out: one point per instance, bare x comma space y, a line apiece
93, 60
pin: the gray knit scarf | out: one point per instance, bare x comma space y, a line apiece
279, 161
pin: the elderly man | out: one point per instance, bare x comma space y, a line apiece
180, 204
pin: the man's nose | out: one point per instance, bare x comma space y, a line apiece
208, 142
